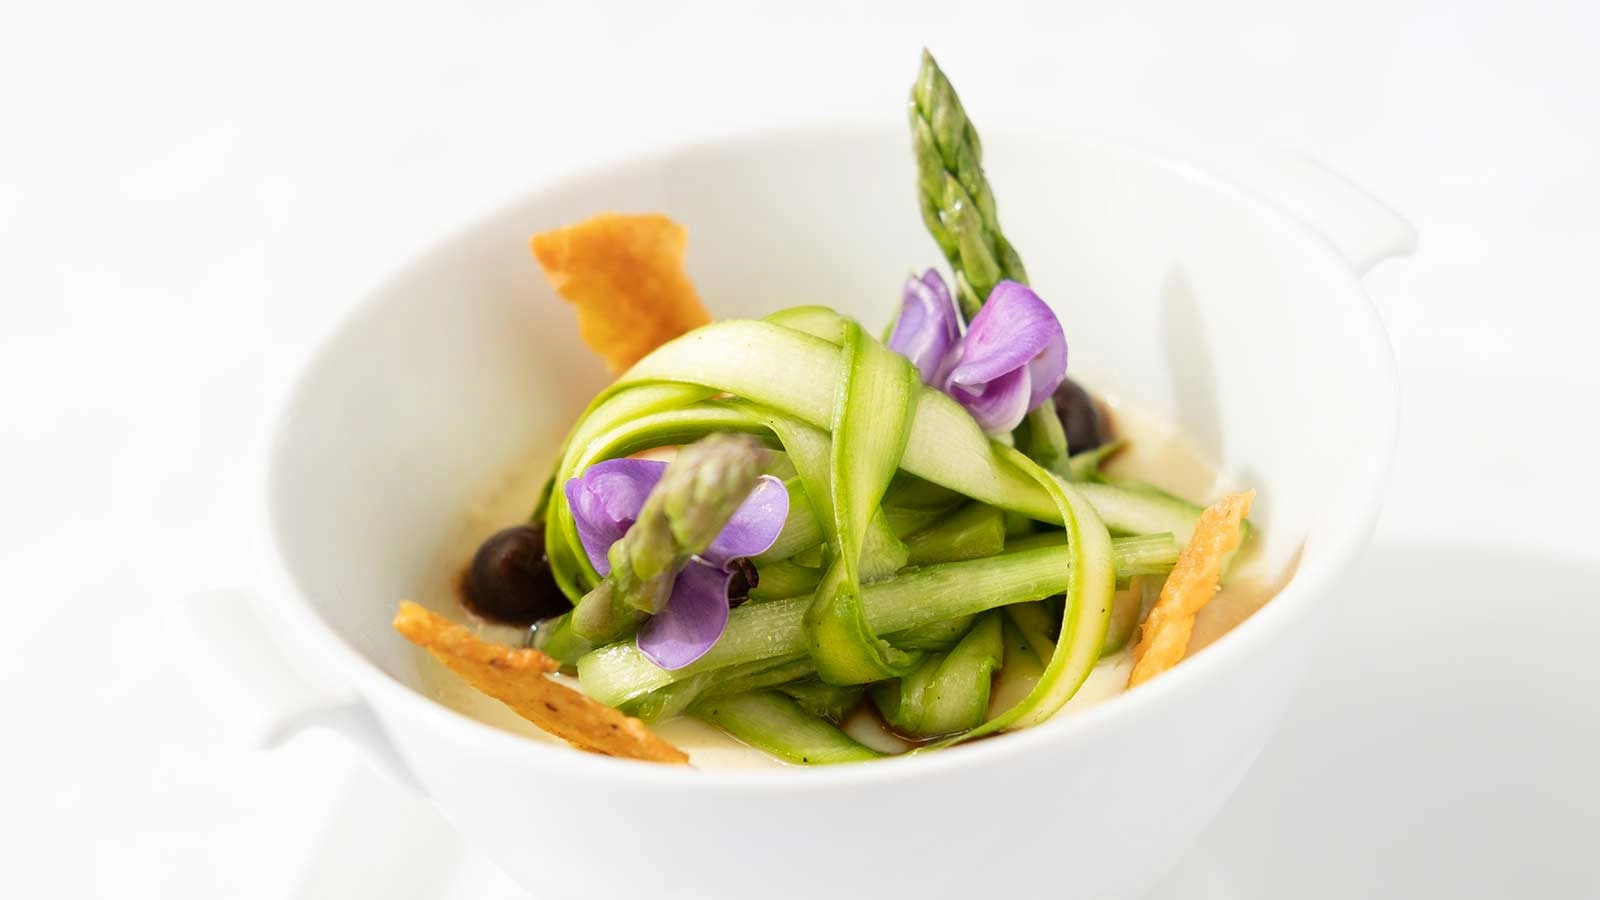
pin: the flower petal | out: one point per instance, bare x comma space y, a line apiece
695, 617
606, 499
755, 526
1013, 327
928, 325
1047, 371
998, 405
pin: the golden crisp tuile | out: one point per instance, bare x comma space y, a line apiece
1164, 637
625, 275
516, 677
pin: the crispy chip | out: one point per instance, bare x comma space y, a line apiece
517, 679
1164, 638
625, 275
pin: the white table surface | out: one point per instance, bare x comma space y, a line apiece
191, 193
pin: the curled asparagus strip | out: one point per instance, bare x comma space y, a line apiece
1128, 509
876, 400
788, 379
1087, 613
571, 567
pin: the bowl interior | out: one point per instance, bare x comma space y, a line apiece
1175, 292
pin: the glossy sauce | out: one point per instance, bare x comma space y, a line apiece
1156, 453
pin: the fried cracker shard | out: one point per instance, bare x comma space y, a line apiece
625, 275
516, 677
1164, 639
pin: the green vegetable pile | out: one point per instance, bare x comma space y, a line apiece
921, 559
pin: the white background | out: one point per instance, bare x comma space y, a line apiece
190, 194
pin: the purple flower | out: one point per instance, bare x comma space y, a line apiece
928, 325
606, 501
1012, 358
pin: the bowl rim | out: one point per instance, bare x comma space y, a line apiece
1339, 540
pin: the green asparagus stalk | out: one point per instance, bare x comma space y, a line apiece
946, 693
675, 698
783, 578
781, 673
1085, 466
974, 531
958, 208
825, 701
957, 203
698, 493
618, 673
936, 636
555, 638
777, 724
1036, 625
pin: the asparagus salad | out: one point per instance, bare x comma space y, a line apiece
831, 540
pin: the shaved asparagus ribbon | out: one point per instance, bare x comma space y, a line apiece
877, 398
1086, 615
781, 373
850, 414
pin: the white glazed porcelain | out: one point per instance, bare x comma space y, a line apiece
1217, 309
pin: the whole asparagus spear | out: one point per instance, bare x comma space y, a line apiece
697, 494
957, 203
958, 208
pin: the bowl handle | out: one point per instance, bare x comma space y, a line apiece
1364, 229
261, 694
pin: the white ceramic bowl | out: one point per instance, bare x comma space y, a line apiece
1194, 298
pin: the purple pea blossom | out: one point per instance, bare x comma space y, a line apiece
1012, 358
928, 325
605, 503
